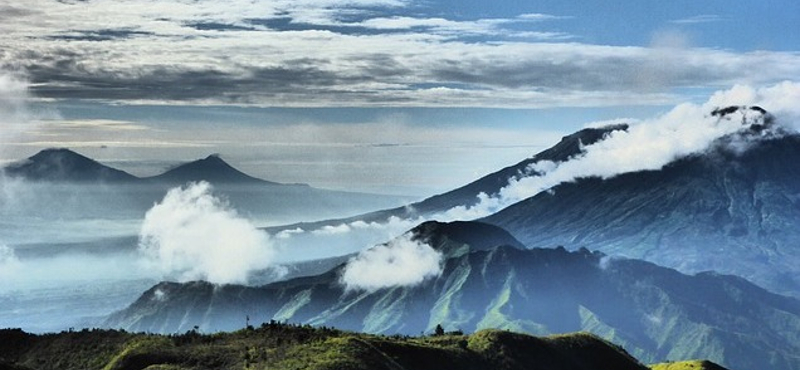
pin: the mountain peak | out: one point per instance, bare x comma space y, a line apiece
62, 164
212, 169
453, 236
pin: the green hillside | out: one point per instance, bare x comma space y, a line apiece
282, 346
687, 365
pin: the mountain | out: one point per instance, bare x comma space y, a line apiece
64, 184
279, 346
467, 195
64, 165
569, 146
212, 169
725, 210
489, 281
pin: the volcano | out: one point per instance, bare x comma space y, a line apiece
64, 165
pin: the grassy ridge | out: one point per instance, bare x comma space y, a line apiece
281, 346
687, 365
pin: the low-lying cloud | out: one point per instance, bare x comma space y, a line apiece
193, 235
401, 262
650, 144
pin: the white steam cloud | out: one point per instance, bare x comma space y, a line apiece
193, 235
401, 262
648, 145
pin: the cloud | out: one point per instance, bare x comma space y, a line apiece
400, 263
650, 144
347, 53
193, 235
703, 18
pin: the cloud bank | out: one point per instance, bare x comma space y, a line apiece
193, 235
651, 144
347, 53
401, 262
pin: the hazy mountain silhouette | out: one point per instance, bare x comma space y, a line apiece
64, 165
212, 169
63, 184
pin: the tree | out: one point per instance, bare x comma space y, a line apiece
439, 330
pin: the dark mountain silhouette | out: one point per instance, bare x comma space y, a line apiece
488, 281
64, 165
726, 210
212, 169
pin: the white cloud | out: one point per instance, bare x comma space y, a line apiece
131, 46
193, 235
703, 18
401, 262
650, 144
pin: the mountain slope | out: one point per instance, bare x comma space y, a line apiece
656, 313
467, 195
279, 346
64, 165
731, 212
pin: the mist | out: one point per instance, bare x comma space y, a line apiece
402, 262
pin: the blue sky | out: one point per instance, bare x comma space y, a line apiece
401, 96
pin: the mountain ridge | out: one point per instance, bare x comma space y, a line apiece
569, 146
276, 345
737, 206
66, 165
656, 313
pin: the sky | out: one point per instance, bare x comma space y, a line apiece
408, 97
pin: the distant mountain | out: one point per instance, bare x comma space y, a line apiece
212, 169
725, 210
83, 191
64, 165
280, 346
488, 281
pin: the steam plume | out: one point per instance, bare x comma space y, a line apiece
191, 235
401, 262
648, 145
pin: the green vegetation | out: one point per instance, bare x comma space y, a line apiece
282, 346
687, 365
